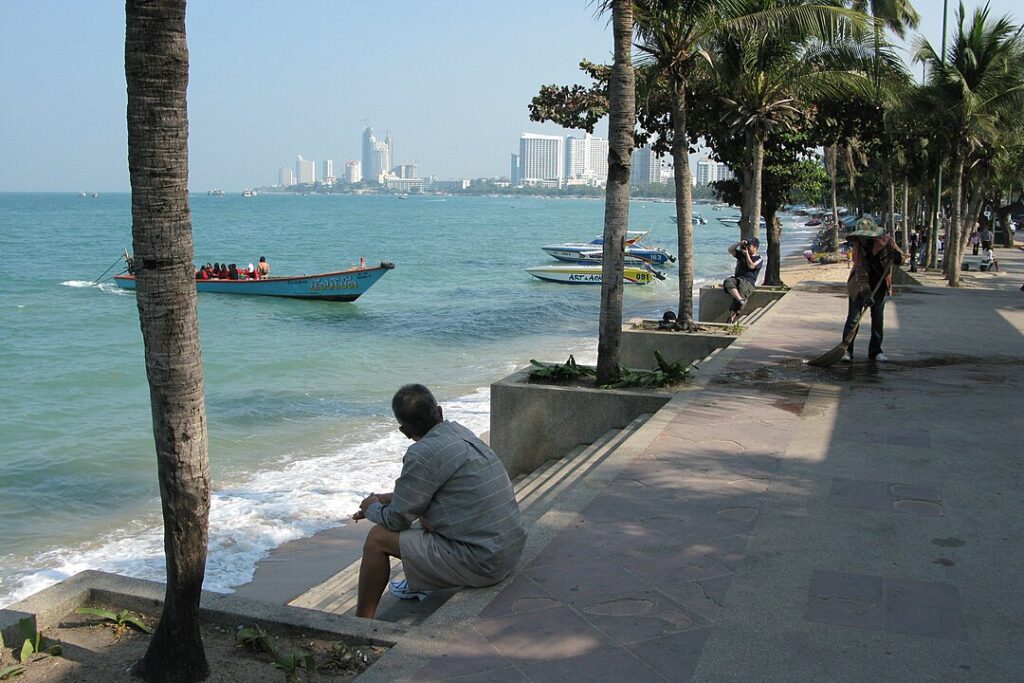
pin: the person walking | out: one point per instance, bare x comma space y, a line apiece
915, 246
975, 242
875, 254
986, 239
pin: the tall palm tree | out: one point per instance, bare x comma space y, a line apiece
980, 80
621, 123
156, 71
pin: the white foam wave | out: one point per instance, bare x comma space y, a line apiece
105, 287
251, 517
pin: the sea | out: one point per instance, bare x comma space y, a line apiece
297, 392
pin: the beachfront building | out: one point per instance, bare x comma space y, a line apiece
586, 158
285, 177
353, 171
377, 156
305, 171
709, 171
646, 167
328, 172
393, 183
541, 159
407, 170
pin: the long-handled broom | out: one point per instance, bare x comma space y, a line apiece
834, 355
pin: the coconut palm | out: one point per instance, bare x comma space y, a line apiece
981, 79
156, 70
621, 122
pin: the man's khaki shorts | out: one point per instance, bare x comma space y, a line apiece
431, 562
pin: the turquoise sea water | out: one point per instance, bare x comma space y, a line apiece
297, 393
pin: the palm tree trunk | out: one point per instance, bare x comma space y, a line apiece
831, 160
755, 148
156, 71
684, 203
892, 206
773, 233
905, 231
952, 245
621, 122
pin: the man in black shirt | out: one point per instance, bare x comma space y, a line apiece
741, 284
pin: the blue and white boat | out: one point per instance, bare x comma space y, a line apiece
571, 251
578, 274
342, 285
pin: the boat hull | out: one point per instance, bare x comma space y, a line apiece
573, 254
345, 285
589, 275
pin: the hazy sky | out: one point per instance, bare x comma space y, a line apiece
270, 80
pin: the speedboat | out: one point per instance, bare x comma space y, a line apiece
591, 274
597, 256
570, 251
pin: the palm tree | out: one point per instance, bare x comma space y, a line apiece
621, 123
980, 80
156, 70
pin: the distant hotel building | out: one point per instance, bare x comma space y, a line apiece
586, 159
353, 172
305, 171
328, 176
285, 177
646, 167
377, 156
709, 171
541, 159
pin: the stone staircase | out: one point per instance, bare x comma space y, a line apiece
537, 493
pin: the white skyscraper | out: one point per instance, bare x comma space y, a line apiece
708, 171
577, 151
599, 159
353, 171
305, 171
541, 158
285, 177
328, 172
646, 167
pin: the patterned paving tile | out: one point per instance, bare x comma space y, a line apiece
845, 600
613, 665
554, 633
467, 653
674, 656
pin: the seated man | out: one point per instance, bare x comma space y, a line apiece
741, 284
470, 529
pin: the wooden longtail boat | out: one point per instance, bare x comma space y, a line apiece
342, 285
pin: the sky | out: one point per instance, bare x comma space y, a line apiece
270, 80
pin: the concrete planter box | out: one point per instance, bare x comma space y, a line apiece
715, 302
532, 423
637, 347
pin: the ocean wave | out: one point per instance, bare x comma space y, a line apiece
105, 287
249, 518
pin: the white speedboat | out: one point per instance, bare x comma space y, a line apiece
571, 251
591, 274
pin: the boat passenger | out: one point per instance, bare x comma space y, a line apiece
216, 272
263, 267
233, 272
250, 272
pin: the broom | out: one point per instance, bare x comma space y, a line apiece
833, 356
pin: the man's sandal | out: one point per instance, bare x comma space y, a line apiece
401, 590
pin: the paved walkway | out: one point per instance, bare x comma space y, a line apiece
787, 523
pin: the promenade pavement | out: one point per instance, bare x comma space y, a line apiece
790, 523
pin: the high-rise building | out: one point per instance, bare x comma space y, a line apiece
305, 171
708, 171
328, 172
407, 170
599, 160
377, 156
369, 143
541, 158
353, 171
576, 152
285, 177
513, 173
646, 167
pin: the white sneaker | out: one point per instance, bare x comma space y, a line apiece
400, 589
880, 358
847, 358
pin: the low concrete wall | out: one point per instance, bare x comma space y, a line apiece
532, 423
715, 302
637, 347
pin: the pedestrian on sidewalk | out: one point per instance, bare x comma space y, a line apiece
986, 239
875, 255
916, 239
975, 242
741, 285
453, 518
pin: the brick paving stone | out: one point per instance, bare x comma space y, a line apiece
924, 608
613, 665
521, 595
640, 616
674, 656
467, 653
554, 633
843, 599
859, 495
585, 583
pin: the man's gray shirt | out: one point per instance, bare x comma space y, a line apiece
457, 486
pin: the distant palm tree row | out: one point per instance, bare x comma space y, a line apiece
767, 83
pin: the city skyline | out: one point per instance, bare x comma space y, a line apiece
271, 80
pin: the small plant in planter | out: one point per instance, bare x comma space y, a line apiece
11, 671
255, 639
120, 621
561, 373
662, 375
35, 642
